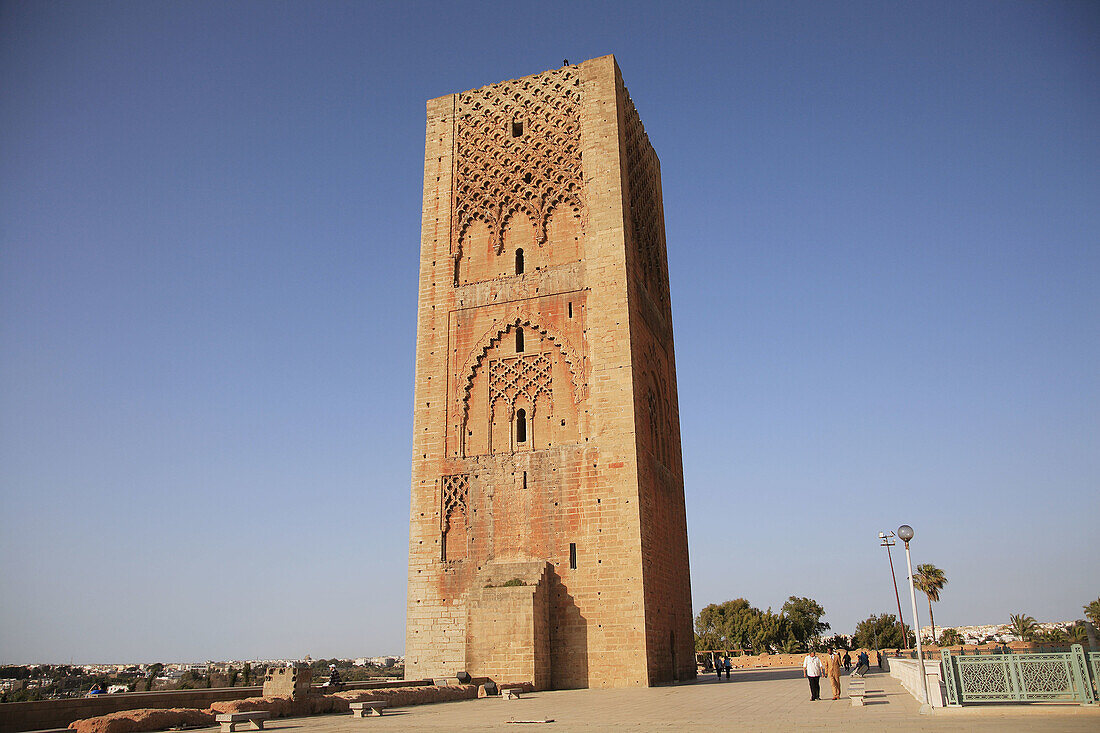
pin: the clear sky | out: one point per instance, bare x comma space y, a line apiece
883, 232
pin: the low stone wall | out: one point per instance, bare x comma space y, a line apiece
45, 714
135, 721
143, 721
48, 714
907, 671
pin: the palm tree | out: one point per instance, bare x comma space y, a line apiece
1078, 633
930, 580
950, 637
1022, 625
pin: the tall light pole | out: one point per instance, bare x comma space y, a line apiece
905, 533
901, 620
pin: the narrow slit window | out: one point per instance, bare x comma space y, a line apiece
519, 340
517, 128
521, 426
519, 261
572, 555
570, 304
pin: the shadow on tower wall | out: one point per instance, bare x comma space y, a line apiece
568, 639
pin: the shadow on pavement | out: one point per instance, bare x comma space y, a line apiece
764, 675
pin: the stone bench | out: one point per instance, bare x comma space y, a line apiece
510, 693
857, 690
255, 719
370, 707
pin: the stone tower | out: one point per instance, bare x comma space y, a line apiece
548, 538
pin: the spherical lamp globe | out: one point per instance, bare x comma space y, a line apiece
905, 533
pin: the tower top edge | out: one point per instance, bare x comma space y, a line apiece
610, 56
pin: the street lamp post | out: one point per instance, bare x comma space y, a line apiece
901, 620
905, 533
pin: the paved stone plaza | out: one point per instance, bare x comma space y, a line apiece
772, 699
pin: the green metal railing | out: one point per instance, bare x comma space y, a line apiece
1027, 677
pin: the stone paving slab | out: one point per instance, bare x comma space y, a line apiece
753, 700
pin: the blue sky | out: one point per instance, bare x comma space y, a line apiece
884, 245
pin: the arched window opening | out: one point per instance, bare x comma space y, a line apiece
521, 426
519, 340
519, 261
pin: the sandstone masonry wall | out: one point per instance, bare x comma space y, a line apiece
541, 430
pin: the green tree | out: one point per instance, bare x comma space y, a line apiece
738, 625
1055, 636
950, 637
804, 619
1022, 625
883, 629
791, 646
1092, 613
725, 625
930, 580
1078, 634
247, 674
768, 631
14, 672
152, 673
710, 627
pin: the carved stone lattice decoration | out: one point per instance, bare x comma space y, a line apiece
527, 376
497, 332
646, 217
659, 425
455, 495
517, 150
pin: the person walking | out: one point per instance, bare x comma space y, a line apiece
834, 673
847, 662
811, 668
863, 664
729, 666
718, 667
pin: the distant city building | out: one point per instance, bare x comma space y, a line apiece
999, 633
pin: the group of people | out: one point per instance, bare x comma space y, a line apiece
828, 665
722, 664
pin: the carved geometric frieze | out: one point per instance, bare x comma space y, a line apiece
646, 219
517, 150
492, 337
